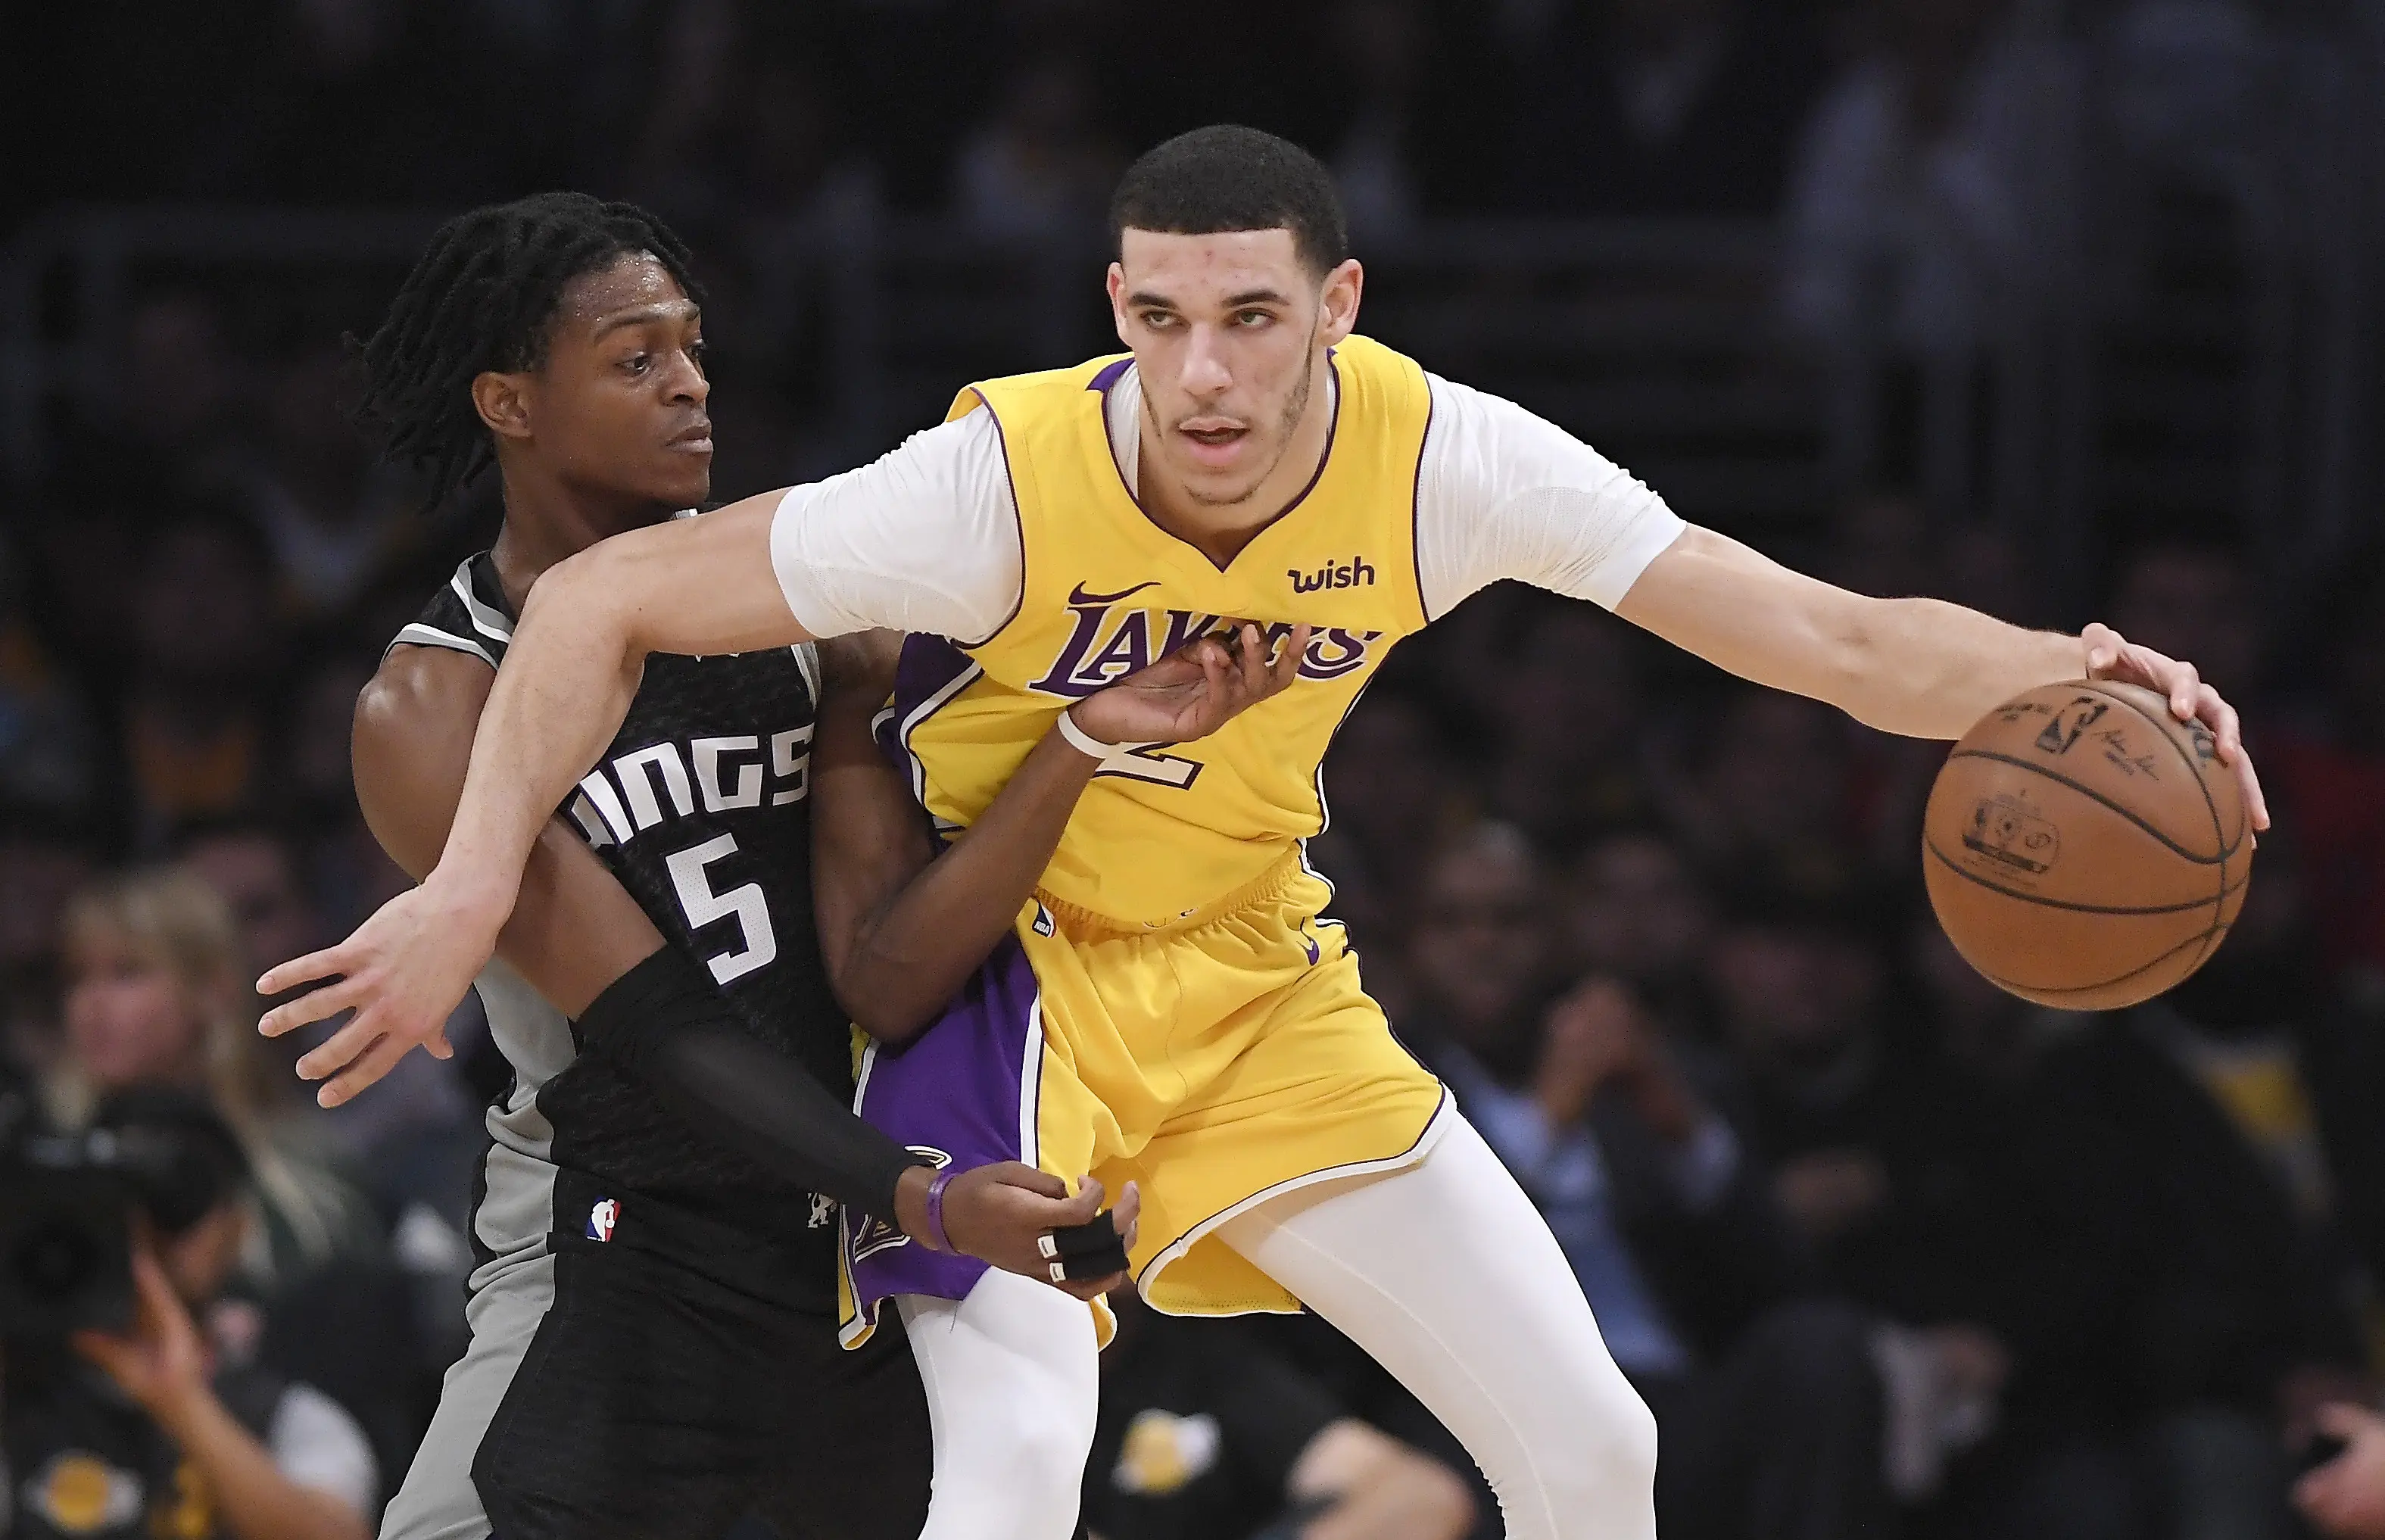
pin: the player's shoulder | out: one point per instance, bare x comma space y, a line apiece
420, 692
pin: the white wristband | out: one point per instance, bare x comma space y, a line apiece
1085, 743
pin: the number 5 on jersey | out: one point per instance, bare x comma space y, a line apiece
742, 903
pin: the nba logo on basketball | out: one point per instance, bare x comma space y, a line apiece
602, 1218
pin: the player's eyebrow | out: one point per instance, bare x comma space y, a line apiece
1144, 299
1254, 297
641, 315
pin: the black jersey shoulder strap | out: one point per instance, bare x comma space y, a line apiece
469, 614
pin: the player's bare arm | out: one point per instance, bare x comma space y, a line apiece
902, 933
1922, 668
689, 585
574, 931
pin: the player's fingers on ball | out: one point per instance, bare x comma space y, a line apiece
438, 1046
2185, 688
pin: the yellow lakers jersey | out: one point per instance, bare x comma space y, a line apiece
1108, 590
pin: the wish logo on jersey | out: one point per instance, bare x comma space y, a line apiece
1112, 639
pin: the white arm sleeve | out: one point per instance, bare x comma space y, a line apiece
926, 538
314, 1443
1503, 493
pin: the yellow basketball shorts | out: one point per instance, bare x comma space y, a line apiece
1215, 1062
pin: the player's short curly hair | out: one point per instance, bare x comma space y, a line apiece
482, 297
1227, 177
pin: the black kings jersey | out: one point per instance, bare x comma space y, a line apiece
701, 807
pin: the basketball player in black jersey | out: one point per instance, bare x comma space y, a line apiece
654, 1346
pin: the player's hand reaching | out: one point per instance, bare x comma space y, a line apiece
402, 971
1001, 1214
2112, 655
1194, 690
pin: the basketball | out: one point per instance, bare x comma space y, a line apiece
2084, 848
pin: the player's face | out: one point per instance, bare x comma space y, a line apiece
617, 409
1228, 332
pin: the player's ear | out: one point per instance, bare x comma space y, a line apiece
1118, 301
1338, 310
502, 401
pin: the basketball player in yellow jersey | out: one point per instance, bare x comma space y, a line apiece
1172, 1009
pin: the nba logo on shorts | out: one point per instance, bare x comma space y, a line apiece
601, 1219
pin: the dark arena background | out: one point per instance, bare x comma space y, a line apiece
2065, 310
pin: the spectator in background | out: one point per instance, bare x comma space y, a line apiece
1766, 1402
2330, 770
1571, 698
1661, 107
1900, 1177
416, 1143
1385, 42
1204, 1435
196, 736
47, 760
1040, 164
2243, 1108
158, 995
44, 860
198, 1441
1931, 196
1395, 791
1769, 801
1631, 910
335, 522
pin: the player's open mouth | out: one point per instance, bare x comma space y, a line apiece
1214, 445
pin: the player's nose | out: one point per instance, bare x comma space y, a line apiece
1203, 372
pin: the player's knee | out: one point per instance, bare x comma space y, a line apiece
1027, 1461
1604, 1451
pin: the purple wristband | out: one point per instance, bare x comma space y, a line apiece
936, 1185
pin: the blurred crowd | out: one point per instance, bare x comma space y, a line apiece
1888, 1251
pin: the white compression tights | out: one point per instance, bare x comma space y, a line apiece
1014, 1385
1444, 1271
1448, 1276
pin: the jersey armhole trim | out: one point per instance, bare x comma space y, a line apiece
1017, 519
418, 634
1415, 503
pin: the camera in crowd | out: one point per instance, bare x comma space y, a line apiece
70, 1202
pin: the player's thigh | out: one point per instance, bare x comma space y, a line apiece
631, 1414
438, 1500
853, 1451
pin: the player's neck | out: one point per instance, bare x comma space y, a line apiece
1219, 530
547, 522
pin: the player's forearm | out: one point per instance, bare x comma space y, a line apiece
258, 1500
1922, 668
569, 673
665, 1022
1928, 668
916, 950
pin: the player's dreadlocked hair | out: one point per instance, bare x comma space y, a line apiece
482, 297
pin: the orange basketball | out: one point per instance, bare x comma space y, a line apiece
2084, 848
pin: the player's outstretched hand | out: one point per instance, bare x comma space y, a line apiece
1002, 1212
1194, 690
402, 972
2112, 655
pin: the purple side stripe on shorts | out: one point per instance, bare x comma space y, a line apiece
956, 1091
